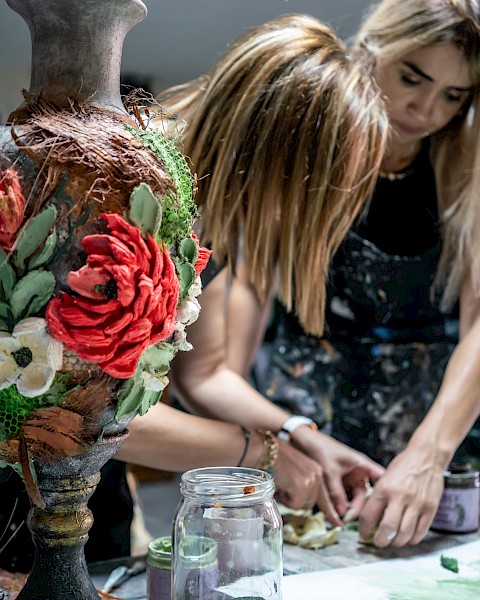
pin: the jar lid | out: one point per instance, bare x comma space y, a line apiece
196, 551
459, 468
160, 552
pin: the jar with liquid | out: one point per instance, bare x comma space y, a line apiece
233, 509
459, 508
159, 569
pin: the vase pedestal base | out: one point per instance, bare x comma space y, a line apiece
60, 529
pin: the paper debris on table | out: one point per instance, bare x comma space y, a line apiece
261, 587
308, 530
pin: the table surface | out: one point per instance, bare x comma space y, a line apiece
348, 552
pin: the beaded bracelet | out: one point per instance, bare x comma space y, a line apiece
247, 435
270, 447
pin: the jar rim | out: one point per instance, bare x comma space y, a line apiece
160, 552
197, 551
228, 484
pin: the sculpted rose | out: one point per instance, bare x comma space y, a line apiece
125, 299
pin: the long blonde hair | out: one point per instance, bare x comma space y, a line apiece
286, 136
396, 28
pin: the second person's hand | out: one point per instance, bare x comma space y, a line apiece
404, 500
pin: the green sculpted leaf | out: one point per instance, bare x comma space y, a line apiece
135, 398
130, 397
149, 399
33, 236
6, 317
31, 293
7, 277
189, 250
156, 359
145, 210
186, 276
45, 253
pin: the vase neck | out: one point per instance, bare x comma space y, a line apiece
77, 48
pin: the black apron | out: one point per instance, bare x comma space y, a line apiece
374, 375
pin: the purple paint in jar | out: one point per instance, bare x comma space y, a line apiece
159, 569
459, 508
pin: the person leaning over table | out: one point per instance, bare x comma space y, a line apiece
285, 136
385, 366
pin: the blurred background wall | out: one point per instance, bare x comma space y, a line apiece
179, 40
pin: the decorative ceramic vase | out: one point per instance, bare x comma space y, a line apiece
99, 273
60, 530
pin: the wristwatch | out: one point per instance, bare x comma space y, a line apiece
291, 425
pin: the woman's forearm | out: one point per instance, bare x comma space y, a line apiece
228, 396
170, 440
205, 381
457, 405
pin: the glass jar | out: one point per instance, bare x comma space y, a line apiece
159, 569
232, 508
458, 511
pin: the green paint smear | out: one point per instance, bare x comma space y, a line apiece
460, 587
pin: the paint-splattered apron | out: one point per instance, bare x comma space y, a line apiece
372, 378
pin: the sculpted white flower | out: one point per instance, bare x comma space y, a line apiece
29, 357
196, 288
180, 339
187, 312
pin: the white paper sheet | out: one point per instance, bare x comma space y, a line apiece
421, 578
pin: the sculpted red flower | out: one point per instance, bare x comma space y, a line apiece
12, 207
203, 256
126, 300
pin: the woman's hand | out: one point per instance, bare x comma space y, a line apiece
301, 482
346, 473
404, 501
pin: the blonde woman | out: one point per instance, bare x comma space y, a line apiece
390, 330
286, 136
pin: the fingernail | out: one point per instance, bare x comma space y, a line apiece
349, 515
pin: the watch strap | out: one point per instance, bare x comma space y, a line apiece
292, 423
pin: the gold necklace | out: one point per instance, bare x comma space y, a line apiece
392, 176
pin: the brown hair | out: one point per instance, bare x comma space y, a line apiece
286, 135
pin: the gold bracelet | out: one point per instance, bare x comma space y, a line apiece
270, 449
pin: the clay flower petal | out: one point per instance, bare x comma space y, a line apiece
35, 379
123, 299
8, 366
30, 357
203, 256
154, 383
12, 207
188, 311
